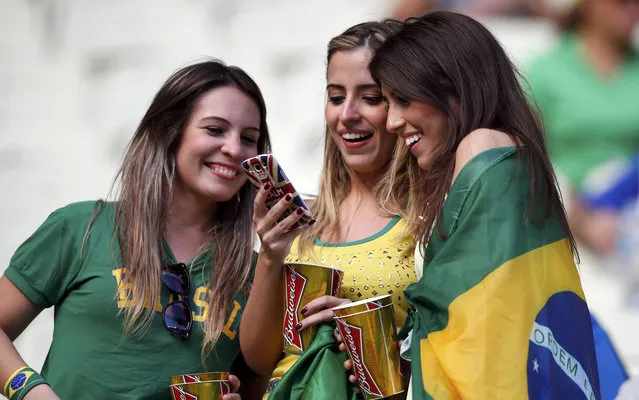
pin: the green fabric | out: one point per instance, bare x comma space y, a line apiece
387, 228
464, 210
589, 120
318, 374
89, 356
484, 217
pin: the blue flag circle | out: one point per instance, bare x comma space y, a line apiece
561, 355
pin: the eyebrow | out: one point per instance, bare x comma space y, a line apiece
360, 87
224, 121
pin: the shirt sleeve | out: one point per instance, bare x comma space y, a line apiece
46, 264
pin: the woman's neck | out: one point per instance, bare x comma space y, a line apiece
187, 226
365, 181
359, 215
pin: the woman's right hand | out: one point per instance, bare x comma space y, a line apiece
276, 237
41, 392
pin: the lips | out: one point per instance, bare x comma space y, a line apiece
223, 170
355, 137
413, 138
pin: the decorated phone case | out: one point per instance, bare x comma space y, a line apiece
263, 169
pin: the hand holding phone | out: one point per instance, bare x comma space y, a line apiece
263, 169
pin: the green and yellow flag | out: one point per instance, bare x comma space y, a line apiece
318, 374
499, 312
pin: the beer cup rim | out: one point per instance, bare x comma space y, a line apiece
202, 373
360, 302
195, 383
362, 312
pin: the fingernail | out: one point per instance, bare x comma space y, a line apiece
299, 211
313, 221
267, 186
288, 197
298, 326
304, 311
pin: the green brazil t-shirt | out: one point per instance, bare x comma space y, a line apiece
90, 357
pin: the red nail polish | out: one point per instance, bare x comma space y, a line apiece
288, 197
298, 326
267, 186
313, 221
304, 311
299, 211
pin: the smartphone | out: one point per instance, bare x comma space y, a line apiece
263, 169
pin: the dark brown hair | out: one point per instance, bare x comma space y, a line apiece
454, 63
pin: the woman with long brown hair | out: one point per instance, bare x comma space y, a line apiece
154, 283
498, 311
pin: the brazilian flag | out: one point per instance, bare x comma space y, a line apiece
499, 312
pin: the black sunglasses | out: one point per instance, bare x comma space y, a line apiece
177, 314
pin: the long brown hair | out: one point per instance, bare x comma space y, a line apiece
337, 177
453, 63
147, 179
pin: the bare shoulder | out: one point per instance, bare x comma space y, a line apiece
477, 142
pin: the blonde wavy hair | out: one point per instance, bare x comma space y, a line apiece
337, 177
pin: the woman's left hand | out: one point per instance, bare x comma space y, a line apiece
235, 385
320, 310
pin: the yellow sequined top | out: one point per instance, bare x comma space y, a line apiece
377, 265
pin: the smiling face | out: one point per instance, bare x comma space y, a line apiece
421, 125
221, 132
355, 113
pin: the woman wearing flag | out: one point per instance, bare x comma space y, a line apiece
498, 311
357, 229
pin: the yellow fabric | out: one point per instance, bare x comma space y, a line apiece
381, 264
470, 326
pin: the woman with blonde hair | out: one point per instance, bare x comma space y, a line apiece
358, 229
153, 284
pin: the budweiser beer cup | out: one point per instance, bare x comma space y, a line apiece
363, 305
202, 386
370, 337
303, 283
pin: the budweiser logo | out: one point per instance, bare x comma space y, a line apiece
191, 379
352, 336
295, 284
179, 393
